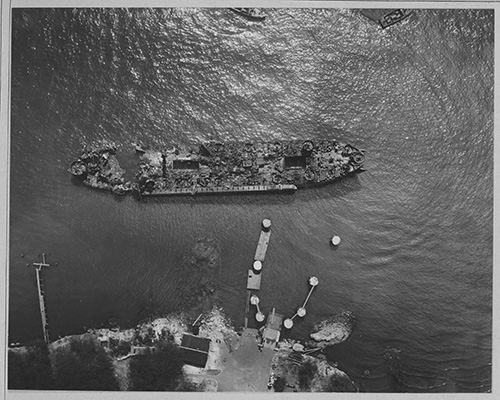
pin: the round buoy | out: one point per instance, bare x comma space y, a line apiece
301, 312
254, 300
266, 224
313, 281
288, 323
257, 265
336, 240
259, 317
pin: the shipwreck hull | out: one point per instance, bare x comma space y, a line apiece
231, 167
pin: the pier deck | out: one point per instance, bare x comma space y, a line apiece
41, 297
253, 282
254, 278
260, 252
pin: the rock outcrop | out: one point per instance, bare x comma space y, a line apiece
333, 330
200, 268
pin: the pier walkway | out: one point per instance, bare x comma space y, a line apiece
41, 297
254, 277
255, 272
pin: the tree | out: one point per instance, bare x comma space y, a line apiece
188, 386
84, 366
30, 370
158, 370
339, 383
279, 384
307, 370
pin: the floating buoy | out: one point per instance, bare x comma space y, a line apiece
301, 312
257, 265
254, 300
313, 281
266, 224
336, 240
288, 323
259, 317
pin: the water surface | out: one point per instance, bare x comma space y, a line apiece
415, 263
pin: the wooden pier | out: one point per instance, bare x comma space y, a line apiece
41, 297
254, 275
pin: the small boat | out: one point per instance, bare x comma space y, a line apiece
252, 14
394, 17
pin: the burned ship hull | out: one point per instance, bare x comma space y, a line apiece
230, 167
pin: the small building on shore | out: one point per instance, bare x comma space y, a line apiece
141, 350
195, 350
272, 329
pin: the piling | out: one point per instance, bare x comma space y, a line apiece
335, 240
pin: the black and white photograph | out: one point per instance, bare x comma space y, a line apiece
258, 199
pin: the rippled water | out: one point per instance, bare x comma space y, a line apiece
415, 263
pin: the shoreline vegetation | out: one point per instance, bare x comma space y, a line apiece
149, 357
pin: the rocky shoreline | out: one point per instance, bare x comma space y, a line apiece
296, 366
